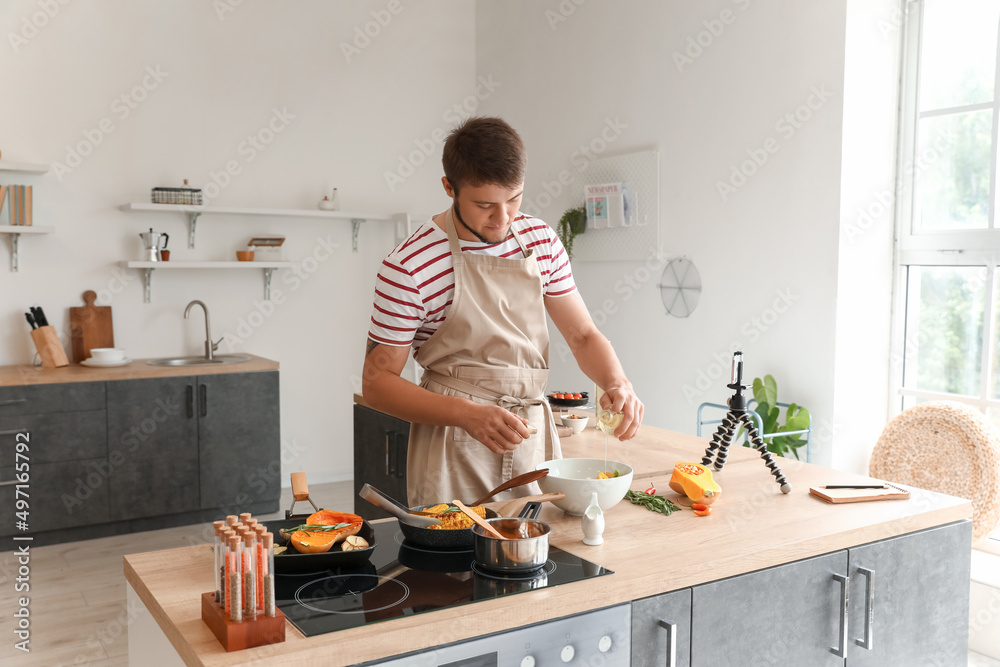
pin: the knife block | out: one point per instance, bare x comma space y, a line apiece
49, 348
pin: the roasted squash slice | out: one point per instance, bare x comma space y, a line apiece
695, 481
312, 542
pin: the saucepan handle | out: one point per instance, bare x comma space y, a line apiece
531, 510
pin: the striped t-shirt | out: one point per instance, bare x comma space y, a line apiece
416, 283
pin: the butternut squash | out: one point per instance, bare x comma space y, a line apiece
695, 481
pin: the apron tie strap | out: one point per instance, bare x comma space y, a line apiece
512, 403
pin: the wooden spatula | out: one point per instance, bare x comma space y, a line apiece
520, 480
475, 517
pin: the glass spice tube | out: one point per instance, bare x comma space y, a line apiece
245, 516
235, 599
249, 557
227, 535
218, 554
268, 574
232, 520
260, 530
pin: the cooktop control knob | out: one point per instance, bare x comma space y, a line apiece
528, 661
604, 644
567, 653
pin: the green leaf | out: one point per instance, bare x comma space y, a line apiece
765, 391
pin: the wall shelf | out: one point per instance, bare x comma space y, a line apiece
15, 232
149, 267
192, 213
23, 167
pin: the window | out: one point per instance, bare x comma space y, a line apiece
947, 316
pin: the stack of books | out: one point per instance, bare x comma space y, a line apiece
19, 206
177, 196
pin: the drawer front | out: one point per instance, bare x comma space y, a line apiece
39, 399
60, 495
66, 436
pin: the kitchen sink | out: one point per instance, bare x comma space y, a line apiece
199, 361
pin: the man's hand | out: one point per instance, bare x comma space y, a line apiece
498, 429
622, 398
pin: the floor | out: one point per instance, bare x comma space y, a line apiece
78, 609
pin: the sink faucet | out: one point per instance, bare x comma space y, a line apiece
210, 347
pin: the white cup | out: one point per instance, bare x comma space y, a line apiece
107, 354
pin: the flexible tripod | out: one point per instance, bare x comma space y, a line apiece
736, 417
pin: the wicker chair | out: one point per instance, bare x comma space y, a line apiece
946, 447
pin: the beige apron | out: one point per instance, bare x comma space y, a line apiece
493, 347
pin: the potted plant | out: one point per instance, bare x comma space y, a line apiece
765, 392
572, 223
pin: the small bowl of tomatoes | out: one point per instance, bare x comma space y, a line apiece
568, 399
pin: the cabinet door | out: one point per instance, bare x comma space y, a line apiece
785, 615
64, 494
910, 599
379, 458
661, 630
152, 447
239, 435
49, 398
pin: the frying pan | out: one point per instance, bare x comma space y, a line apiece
439, 538
291, 561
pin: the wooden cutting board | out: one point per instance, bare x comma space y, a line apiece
90, 327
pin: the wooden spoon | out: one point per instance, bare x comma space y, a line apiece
475, 517
520, 480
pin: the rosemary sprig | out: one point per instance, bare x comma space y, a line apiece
652, 503
317, 529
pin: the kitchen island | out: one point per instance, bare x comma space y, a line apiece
753, 528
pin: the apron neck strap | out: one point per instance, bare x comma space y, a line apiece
456, 248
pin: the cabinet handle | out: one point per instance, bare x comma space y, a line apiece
189, 400
14, 431
401, 444
868, 642
387, 473
10, 483
202, 400
14, 401
841, 648
671, 649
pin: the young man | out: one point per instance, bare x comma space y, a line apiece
469, 291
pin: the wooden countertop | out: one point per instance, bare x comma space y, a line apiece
138, 369
752, 526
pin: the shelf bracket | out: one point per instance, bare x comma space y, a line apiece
192, 217
356, 223
147, 289
267, 283
15, 246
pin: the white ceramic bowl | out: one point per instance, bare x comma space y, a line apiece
575, 422
107, 354
577, 478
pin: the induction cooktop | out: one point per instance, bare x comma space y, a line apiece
403, 579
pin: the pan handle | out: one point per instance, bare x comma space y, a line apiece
531, 510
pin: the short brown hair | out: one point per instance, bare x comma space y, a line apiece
484, 151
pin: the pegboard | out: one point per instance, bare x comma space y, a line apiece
641, 174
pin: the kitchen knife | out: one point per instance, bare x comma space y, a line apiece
40, 318
31, 320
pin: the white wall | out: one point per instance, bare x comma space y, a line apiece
223, 78
864, 276
768, 253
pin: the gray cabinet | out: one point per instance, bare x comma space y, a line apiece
194, 443
910, 599
784, 615
380, 443
661, 630
64, 427
908, 605
153, 447
239, 438
129, 455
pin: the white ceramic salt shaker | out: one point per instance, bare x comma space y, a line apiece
593, 523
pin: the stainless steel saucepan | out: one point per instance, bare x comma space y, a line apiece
525, 546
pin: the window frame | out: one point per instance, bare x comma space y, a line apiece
944, 248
